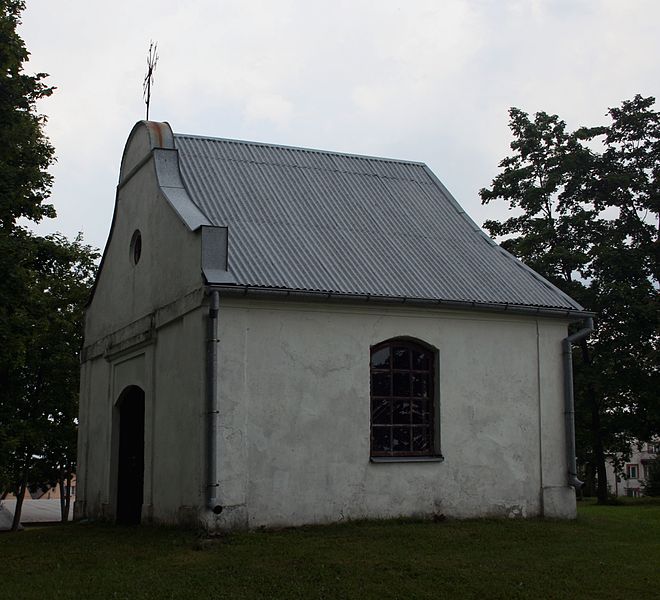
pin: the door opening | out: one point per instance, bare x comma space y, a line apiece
130, 471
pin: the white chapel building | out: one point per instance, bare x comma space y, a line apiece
282, 336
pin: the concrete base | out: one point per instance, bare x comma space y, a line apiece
559, 503
78, 510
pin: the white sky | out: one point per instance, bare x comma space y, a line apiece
425, 80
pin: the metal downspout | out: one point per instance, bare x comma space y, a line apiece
212, 405
569, 405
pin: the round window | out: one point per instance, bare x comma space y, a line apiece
136, 246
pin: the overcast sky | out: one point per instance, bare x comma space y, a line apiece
425, 80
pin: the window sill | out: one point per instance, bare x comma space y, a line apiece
405, 459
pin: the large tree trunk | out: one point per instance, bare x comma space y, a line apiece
597, 448
60, 482
590, 480
20, 495
65, 496
67, 505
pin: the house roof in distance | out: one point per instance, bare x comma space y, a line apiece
310, 220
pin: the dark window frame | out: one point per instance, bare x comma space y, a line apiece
421, 423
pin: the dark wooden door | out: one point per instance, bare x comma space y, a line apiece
130, 475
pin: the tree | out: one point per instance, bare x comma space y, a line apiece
25, 155
41, 411
25, 152
586, 207
44, 283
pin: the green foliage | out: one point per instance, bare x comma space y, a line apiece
25, 153
38, 403
652, 484
585, 210
44, 284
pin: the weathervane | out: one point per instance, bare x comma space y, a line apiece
152, 59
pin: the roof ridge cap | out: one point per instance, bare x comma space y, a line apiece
315, 168
399, 161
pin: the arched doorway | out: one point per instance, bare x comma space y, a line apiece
130, 464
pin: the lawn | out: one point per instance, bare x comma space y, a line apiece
609, 552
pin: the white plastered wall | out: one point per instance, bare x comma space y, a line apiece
145, 327
169, 266
170, 370
295, 418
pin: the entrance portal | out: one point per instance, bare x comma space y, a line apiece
130, 472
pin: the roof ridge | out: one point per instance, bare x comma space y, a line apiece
302, 149
312, 168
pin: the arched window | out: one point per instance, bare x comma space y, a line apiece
402, 399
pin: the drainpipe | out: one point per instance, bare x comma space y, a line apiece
588, 327
212, 405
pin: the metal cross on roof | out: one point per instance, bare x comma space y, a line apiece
152, 59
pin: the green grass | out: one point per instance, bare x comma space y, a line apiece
609, 552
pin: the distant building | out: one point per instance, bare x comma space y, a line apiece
47, 492
635, 471
283, 336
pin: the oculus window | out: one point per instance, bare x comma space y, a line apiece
136, 247
402, 399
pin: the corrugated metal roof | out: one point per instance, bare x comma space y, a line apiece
303, 219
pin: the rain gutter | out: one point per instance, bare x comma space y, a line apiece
212, 405
248, 291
